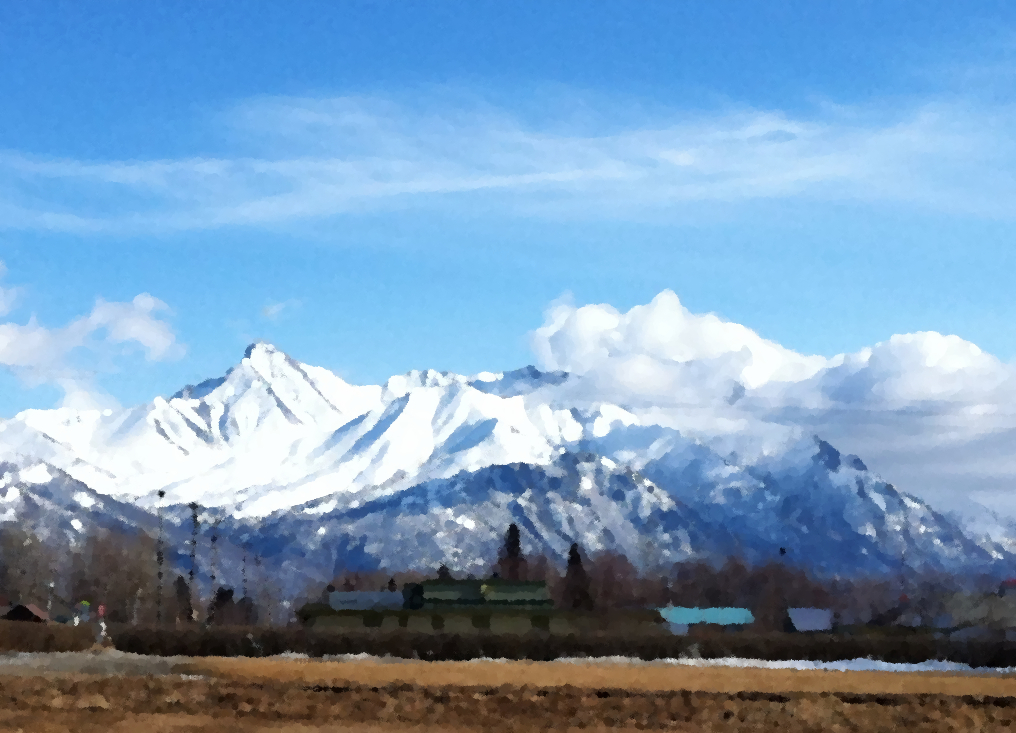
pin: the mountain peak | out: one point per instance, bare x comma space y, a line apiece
260, 347
257, 351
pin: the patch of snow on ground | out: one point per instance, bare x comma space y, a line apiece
850, 665
364, 657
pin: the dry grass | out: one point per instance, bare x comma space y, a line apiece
182, 723
169, 703
24, 636
594, 675
377, 696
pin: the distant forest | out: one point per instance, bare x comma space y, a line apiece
121, 572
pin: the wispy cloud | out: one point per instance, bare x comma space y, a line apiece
41, 355
274, 311
318, 158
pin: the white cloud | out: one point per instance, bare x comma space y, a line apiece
273, 311
81, 394
134, 322
913, 369
315, 158
662, 344
41, 355
933, 413
662, 350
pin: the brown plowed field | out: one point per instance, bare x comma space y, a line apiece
644, 677
301, 695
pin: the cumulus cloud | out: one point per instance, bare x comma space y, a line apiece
41, 355
663, 338
914, 369
927, 410
661, 347
316, 158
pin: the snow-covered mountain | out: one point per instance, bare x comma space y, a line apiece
460, 521
273, 433
58, 507
430, 467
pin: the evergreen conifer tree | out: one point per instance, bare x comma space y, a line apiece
512, 563
185, 611
576, 583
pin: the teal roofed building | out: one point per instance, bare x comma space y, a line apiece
680, 619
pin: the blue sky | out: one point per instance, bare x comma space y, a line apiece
377, 187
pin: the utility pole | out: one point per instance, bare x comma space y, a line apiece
193, 552
158, 560
903, 573
215, 551
243, 568
267, 604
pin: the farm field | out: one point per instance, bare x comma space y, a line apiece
658, 677
377, 695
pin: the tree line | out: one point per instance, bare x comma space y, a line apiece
608, 580
116, 570
121, 571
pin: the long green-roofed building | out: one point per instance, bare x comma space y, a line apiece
488, 593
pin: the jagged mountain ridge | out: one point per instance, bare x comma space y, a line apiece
273, 433
318, 472
867, 526
460, 521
